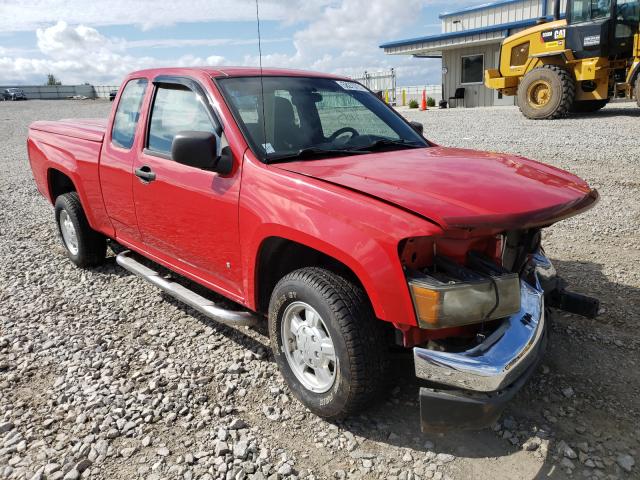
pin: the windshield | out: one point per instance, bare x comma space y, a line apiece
14, 90
313, 116
585, 10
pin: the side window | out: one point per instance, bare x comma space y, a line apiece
127, 113
175, 108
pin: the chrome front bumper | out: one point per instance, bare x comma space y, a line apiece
503, 356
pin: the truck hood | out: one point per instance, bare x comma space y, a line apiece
458, 188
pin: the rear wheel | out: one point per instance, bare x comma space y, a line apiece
546, 92
85, 247
588, 106
327, 343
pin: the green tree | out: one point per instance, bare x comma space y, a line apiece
52, 80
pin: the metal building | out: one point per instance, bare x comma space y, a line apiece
470, 43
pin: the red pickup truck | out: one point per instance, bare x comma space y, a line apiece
309, 203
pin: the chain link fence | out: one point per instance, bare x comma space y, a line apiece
385, 82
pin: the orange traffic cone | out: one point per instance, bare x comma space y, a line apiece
423, 104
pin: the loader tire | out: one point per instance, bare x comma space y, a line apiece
546, 93
637, 90
588, 106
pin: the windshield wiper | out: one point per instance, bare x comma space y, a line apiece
386, 142
313, 152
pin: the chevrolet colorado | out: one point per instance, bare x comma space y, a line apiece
309, 203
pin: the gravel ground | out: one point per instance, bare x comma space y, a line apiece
102, 376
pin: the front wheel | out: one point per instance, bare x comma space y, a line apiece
327, 343
85, 247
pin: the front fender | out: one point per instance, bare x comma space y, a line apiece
360, 232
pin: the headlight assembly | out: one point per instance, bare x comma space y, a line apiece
453, 295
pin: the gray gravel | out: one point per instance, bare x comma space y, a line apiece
101, 376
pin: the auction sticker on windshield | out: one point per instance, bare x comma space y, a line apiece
268, 148
351, 86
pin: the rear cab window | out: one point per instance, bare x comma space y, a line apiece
128, 113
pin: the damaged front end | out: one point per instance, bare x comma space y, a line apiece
482, 311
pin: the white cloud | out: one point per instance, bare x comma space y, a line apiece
64, 41
198, 42
32, 14
193, 61
358, 24
76, 54
344, 39
338, 36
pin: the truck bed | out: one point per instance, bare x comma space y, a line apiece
71, 146
91, 129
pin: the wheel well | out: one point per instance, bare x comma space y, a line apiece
59, 183
279, 256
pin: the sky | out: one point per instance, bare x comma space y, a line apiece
99, 42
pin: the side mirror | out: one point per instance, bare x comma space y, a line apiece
417, 126
196, 149
199, 150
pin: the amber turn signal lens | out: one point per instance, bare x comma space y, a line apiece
427, 303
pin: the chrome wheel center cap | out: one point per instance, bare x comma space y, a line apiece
309, 346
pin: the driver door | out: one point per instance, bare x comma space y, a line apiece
187, 216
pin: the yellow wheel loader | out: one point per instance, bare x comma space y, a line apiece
576, 64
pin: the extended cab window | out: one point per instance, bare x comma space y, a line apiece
128, 112
175, 109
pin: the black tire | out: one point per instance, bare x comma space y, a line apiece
562, 89
637, 90
358, 340
91, 245
588, 106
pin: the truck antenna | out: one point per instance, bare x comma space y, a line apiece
264, 122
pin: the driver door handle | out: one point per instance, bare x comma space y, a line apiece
145, 174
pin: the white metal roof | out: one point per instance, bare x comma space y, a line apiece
486, 23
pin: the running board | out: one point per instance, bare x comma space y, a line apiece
191, 298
